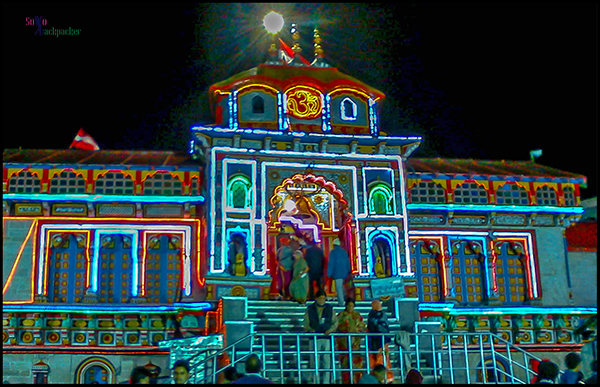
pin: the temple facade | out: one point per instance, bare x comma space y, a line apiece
107, 253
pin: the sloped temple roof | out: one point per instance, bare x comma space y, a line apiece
487, 169
415, 167
101, 157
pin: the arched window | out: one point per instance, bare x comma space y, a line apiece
510, 273
24, 182
162, 282
427, 192
569, 197
348, 110
95, 369
424, 257
380, 200
258, 105
546, 196
163, 184
114, 183
238, 192
471, 193
67, 182
68, 267
511, 194
467, 272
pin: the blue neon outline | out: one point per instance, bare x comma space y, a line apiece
494, 208
104, 198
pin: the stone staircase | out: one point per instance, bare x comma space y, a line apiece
288, 316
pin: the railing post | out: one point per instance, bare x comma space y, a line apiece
493, 349
332, 359
451, 363
299, 358
466, 351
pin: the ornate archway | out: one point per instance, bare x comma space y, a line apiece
312, 208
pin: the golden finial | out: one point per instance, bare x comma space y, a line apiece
318, 61
318, 49
296, 36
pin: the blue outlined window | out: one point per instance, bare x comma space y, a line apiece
348, 109
467, 268
381, 200
239, 192
115, 268
68, 267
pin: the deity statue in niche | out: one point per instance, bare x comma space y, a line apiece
237, 256
383, 258
379, 267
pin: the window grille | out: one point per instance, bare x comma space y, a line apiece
427, 192
511, 194
472, 193
546, 196
510, 275
67, 182
569, 197
24, 182
163, 184
114, 183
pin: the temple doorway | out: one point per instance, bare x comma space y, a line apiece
314, 210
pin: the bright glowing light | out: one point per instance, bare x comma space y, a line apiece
273, 22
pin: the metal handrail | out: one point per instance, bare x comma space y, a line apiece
212, 359
485, 350
284, 355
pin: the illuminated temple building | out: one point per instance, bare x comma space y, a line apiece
106, 253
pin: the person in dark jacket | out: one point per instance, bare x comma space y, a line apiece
321, 318
377, 322
547, 372
338, 269
253, 370
314, 257
594, 378
572, 375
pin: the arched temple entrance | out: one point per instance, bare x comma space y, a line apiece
313, 209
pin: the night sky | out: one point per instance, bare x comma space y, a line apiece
484, 81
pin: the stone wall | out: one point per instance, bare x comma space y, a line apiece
16, 368
552, 266
583, 266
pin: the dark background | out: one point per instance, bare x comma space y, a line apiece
476, 80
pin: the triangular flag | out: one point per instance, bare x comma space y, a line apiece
287, 54
84, 141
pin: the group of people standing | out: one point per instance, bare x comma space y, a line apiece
300, 268
320, 318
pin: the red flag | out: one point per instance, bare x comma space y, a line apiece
84, 141
286, 53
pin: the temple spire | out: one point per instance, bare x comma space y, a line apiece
318, 61
296, 61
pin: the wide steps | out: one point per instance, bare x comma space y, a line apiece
288, 316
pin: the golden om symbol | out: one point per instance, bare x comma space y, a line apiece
304, 104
